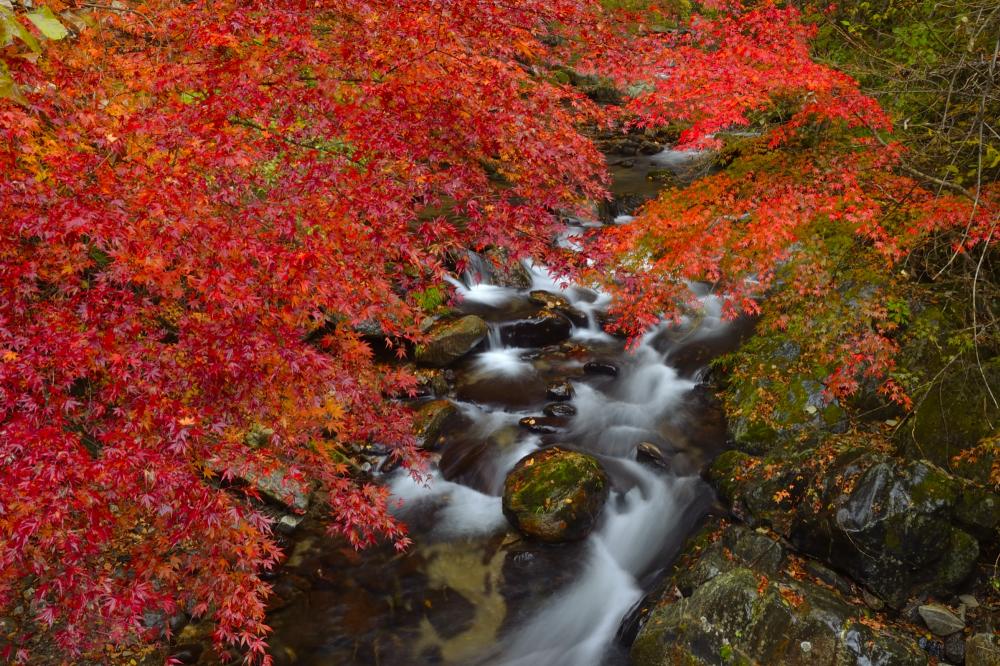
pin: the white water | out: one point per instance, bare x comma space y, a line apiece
647, 514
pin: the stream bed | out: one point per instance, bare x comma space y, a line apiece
471, 591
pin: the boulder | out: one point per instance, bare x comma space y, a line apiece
555, 495
277, 483
547, 327
505, 271
738, 605
448, 341
430, 421
898, 528
940, 620
548, 299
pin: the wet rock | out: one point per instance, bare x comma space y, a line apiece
560, 409
600, 368
744, 609
666, 176
431, 381
982, 650
649, 148
548, 299
830, 577
488, 388
547, 327
561, 390
448, 341
954, 649
505, 271
892, 526
560, 304
555, 495
940, 620
430, 422
542, 425
651, 455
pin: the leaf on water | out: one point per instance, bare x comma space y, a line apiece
48, 24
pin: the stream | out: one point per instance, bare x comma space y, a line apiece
471, 591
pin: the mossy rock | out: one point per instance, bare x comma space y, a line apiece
899, 528
430, 420
449, 341
740, 606
954, 415
555, 495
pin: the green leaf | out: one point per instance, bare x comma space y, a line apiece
10, 27
48, 24
8, 88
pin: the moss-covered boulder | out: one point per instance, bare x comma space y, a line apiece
430, 421
739, 605
448, 341
899, 528
555, 495
954, 415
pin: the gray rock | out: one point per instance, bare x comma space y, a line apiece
896, 529
651, 455
275, 482
969, 600
940, 619
954, 648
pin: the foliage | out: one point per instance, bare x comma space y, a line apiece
191, 191
201, 201
821, 193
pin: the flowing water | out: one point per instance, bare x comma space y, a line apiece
471, 591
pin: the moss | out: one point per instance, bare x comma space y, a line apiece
726, 471
960, 559
931, 487
555, 495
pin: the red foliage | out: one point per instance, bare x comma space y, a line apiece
820, 164
192, 188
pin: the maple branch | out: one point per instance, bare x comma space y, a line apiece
120, 10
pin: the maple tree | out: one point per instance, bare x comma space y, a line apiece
819, 164
202, 201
